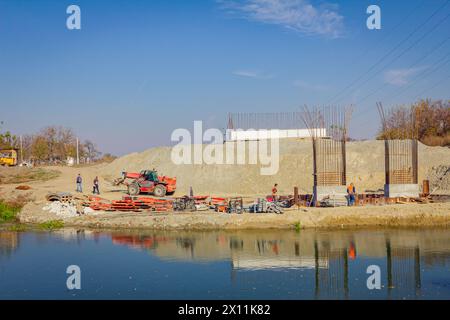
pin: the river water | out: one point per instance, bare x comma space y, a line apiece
406, 263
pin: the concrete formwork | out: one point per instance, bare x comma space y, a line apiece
401, 166
329, 154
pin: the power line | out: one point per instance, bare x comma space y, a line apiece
427, 89
441, 63
390, 52
402, 21
440, 44
437, 67
405, 50
433, 86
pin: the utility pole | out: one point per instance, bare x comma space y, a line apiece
78, 154
21, 149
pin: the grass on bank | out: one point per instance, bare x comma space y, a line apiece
52, 225
23, 174
17, 228
11, 207
8, 212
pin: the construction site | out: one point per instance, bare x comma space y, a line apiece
324, 180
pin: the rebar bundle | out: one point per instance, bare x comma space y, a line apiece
261, 121
329, 160
401, 154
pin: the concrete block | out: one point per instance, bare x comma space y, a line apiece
401, 190
334, 195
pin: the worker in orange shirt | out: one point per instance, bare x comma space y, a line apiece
352, 251
351, 190
274, 192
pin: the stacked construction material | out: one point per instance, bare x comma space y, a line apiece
261, 205
196, 203
218, 200
59, 196
152, 204
97, 203
236, 205
130, 204
185, 203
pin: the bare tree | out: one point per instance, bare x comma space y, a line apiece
427, 121
90, 150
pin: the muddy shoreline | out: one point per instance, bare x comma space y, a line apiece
400, 215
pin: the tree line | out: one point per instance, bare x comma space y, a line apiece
52, 144
428, 121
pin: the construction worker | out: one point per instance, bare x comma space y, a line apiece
351, 190
79, 183
274, 192
96, 189
352, 251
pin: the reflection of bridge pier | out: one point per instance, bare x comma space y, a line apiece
332, 281
403, 265
325, 260
311, 264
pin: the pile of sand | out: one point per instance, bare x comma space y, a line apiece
365, 167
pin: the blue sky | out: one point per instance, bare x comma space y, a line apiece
139, 69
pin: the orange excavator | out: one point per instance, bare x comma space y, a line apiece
147, 181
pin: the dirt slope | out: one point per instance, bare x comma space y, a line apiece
365, 165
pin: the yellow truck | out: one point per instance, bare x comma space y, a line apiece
8, 157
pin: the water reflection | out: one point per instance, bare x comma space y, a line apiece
284, 264
330, 255
9, 242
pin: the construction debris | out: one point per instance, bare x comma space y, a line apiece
23, 187
236, 205
185, 203
65, 205
264, 206
68, 209
64, 210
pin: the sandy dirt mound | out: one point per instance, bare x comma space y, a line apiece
365, 166
440, 178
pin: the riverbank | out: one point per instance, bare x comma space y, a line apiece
367, 171
400, 215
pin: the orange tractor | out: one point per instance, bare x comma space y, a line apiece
147, 181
